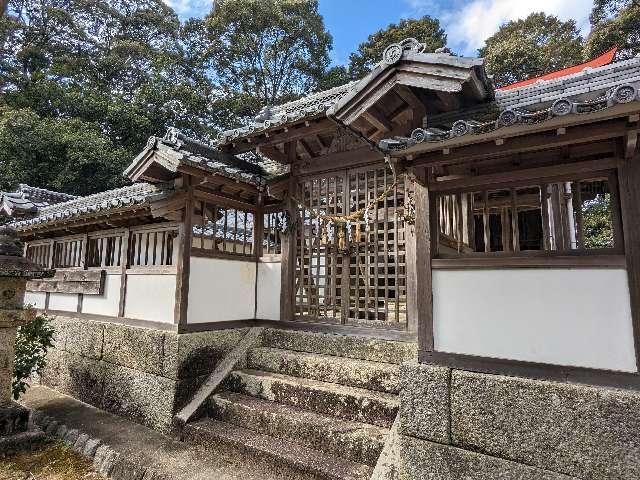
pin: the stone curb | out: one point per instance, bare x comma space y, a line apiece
106, 460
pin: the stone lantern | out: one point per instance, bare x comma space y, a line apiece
15, 270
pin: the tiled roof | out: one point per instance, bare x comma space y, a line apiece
249, 167
305, 107
27, 199
131, 196
585, 92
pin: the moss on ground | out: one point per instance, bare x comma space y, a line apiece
50, 461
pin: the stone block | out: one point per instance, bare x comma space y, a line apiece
80, 443
136, 348
127, 468
52, 427
81, 378
142, 397
424, 401
582, 431
194, 354
61, 432
71, 437
101, 453
424, 460
14, 418
83, 337
90, 448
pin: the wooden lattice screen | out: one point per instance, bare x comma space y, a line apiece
364, 284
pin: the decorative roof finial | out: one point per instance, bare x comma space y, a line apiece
443, 50
393, 53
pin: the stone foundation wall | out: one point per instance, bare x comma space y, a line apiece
142, 374
456, 425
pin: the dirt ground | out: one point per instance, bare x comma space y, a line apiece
51, 461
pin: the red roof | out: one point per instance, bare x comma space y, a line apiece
604, 59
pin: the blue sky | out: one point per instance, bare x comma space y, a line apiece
467, 22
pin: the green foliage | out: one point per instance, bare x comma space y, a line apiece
426, 30
596, 215
539, 44
265, 52
32, 343
614, 23
94, 78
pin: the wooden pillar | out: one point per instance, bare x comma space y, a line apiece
258, 228
418, 257
288, 257
124, 264
628, 182
183, 264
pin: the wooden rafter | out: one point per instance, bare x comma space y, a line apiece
376, 118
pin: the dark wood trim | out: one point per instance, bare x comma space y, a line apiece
204, 253
309, 326
539, 371
629, 189
131, 322
288, 249
184, 258
213, 326
224, 201
418, 265
124, 263
562, 260
563, 172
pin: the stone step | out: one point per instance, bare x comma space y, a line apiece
349, 346
378, 376
358, 442
348, 403
205, 432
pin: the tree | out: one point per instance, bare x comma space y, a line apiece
265, 52
100, 73
614, 23
426, 30
63, 154
539, 44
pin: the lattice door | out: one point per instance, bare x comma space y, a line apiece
364, 283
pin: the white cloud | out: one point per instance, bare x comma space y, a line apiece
468, 24
190, 8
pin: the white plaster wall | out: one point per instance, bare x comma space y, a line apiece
36, 299
269, 274
150, 297
65, 302
108, 302
221, 290
574, 317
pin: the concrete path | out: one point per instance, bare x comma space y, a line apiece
174, 459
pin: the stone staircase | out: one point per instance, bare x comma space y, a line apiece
320, 403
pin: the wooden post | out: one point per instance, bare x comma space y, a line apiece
628, 181
124, 264
288, 257
418, 257
258, 228
183, 264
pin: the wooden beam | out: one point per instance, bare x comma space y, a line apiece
378, 120
322, 126
506, 178
184, 258
412, 100
323, 146
306, 148
418, 258
272, 152
290, 151
521, 143
631, 144
628, 182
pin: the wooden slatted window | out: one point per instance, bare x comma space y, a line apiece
577, 215
104, 250
365, 282
152, 247
67, 253
222, 229
40, 253
272, 241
